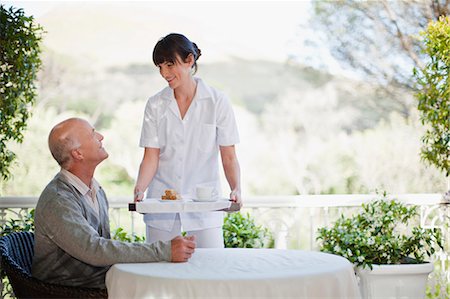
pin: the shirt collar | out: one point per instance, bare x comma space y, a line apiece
202, 91
77, 183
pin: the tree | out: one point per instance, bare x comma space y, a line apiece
20, 48
377, 39
433, 81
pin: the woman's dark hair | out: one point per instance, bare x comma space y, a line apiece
168, 47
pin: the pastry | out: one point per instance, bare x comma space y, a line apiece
170, 194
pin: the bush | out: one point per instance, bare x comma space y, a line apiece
241, 232
379, 235
20, 41
121, 235
24, 223
433, 81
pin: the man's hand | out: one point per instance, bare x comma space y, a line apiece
182, 248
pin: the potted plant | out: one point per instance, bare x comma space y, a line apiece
389, 252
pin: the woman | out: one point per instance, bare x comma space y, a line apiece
185, 127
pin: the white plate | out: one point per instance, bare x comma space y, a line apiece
170, 200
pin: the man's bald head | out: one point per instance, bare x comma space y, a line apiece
63, 139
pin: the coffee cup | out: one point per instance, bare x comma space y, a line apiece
205, 193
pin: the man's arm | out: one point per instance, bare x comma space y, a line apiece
65, 225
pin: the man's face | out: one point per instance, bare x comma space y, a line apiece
91, 143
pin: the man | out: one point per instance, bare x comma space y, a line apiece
72, 234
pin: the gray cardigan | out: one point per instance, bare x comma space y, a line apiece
73, 245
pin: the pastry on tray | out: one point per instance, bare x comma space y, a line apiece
170, 194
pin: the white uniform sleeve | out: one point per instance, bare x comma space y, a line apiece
149, 133
227, 132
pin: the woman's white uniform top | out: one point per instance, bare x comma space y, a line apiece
189, 149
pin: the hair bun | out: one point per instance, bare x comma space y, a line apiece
197, 51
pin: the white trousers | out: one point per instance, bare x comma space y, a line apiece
205, 238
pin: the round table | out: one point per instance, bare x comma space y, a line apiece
237, 273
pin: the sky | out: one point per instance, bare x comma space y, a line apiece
258, 30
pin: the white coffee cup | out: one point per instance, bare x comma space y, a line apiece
205, 193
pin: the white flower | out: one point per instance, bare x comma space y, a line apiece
337, 248
9, 84
370, 241
349, 252
360, 259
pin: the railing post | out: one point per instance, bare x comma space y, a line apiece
312, 233
2, 216
2, 222
445, 258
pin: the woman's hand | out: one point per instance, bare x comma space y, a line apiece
232, 172
235, 196
138, 194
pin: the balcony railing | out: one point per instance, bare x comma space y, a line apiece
293, 220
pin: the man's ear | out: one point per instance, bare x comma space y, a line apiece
76, 154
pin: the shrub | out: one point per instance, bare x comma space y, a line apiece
379, 235
433, 81
25, 222
20, 41
121, 235
240, 231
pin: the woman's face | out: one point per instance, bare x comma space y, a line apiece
178, 73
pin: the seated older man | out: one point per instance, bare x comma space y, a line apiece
73, 245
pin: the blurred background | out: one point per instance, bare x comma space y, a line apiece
309, 121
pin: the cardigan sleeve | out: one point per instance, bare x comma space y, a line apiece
67, 227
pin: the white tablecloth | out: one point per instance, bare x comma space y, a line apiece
238, 273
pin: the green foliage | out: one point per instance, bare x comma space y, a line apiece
25, 222
20, 41
121, 235
240, 231
434, 94
378, 235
